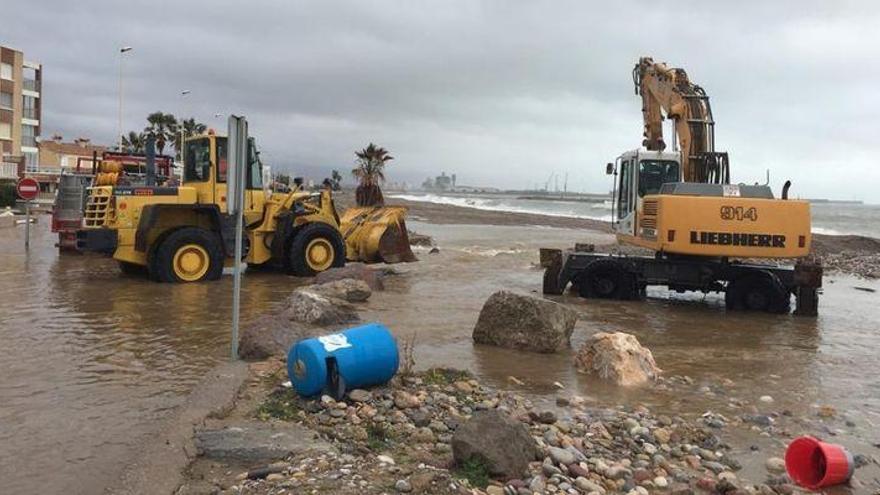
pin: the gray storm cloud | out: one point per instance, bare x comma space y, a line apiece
500, 93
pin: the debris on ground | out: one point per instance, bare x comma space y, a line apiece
443, 432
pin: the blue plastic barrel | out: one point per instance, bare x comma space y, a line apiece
361, 356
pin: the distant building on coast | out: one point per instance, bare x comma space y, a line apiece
441, 183
447, 183
20, 113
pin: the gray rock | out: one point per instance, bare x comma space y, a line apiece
360, 271
561, 456
358, 395
272, 335
501, 442
775, 465
524, 322
588, 486
254, 442
403, 486
312, 308
348, 289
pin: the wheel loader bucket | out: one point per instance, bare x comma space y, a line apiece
376, 233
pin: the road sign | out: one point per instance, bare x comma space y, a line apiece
27, 189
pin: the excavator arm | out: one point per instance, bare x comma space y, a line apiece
668, 90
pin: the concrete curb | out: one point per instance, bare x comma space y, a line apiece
160, 462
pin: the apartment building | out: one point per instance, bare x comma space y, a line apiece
20, 109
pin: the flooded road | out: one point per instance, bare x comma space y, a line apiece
94, 361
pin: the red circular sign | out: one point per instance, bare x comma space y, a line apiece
27, 188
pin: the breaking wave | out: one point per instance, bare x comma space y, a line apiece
568, 209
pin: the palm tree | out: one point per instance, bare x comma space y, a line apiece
370, 172
134, 142
336, 179
162, 127
190, 128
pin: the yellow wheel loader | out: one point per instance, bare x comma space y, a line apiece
703, 230
183, 233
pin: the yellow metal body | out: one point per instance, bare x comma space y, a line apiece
367, 233
722, 226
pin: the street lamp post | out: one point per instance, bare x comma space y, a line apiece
122, 52
182, 126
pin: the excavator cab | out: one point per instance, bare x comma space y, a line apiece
638, 174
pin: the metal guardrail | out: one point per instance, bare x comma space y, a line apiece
31, 85
29, 113
29, 141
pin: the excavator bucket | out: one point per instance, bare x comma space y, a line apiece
376, 233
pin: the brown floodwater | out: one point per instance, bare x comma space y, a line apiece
94, 361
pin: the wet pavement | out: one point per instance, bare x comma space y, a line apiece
94, 360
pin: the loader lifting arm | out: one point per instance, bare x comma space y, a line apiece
668, 90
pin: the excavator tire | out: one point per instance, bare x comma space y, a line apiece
606, 279
315, 248
758, 292
190, 254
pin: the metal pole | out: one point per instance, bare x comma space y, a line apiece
122, 52
27, 225
236, 283
237, 150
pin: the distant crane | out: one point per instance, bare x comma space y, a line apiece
547, 184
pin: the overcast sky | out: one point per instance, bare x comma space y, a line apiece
500, 93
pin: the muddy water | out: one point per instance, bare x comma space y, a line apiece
801, 363
93, 361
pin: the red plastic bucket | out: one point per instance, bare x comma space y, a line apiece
813, 464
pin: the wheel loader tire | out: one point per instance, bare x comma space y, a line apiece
132, 269
606, 279
189, 254
759, 292
315, 248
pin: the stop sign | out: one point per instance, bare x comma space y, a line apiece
27, 188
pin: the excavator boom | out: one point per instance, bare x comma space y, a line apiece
669, 91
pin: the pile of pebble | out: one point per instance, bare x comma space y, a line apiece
397, 439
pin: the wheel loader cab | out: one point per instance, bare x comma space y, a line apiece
205, 170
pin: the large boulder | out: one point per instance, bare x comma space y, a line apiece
347, 289
500, 442
617, 357
272, 335
306, 306
524, 322
359, 271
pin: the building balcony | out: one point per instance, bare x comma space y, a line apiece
29, 113
29, 141
8, 170
31, 85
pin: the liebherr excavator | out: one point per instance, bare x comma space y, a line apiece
681, 205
